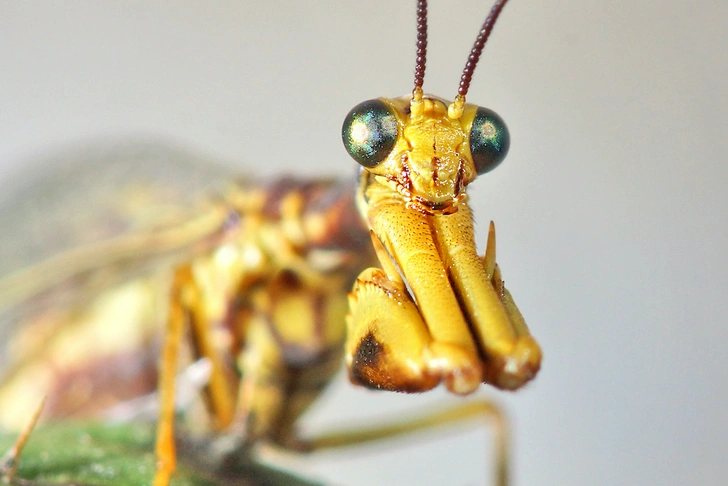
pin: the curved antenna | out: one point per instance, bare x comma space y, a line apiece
455, 110
416, 106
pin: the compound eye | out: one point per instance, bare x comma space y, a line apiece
370, 132
489, 140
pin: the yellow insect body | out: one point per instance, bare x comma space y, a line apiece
460, 324
261, 289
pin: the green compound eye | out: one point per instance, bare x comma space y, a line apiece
370, 132
489, 140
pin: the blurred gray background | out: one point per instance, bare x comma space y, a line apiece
611, 206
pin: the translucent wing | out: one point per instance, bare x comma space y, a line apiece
90, 218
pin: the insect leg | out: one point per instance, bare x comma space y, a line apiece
513, 356
187, 306
389, 343
294, 340
220, 394
466, 412
165, 447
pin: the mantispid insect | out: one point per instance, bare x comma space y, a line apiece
256, 281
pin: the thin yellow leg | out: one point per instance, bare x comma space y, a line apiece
461, 413
219, 390
187, 306
165, 448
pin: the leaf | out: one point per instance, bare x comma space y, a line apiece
82, 454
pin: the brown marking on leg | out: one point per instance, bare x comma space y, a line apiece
365, 369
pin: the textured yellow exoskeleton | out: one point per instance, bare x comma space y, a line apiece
436, 311
253, 282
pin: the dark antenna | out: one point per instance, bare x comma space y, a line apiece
455, 110
421, 59
477, 49
417, 106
